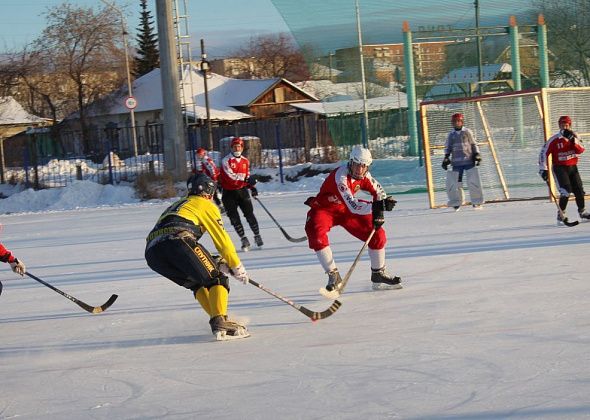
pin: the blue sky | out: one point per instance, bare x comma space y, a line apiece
222, 23
228, 24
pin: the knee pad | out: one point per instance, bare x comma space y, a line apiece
217, 278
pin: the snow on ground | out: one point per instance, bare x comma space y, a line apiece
492, 321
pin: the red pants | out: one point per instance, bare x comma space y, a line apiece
319, 222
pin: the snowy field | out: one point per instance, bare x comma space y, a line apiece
493, 321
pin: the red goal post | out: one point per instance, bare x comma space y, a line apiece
510, 129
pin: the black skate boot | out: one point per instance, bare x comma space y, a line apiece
561, 219
245, 244
584, 214
258, 240
383, 281
224, 329
334, 280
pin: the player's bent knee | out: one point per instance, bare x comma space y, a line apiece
218, 279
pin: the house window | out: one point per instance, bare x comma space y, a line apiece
279, 95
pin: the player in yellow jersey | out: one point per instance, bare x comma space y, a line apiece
173, 250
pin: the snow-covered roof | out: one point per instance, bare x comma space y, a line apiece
224, 94
448, 85
356, 105
11, 112
325, 89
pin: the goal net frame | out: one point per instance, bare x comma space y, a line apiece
510, 129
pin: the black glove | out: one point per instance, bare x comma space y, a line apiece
309, 201
254, 192
446, 162
569, 134
544, 174
477, 159
251, 180
378, 218
387, 204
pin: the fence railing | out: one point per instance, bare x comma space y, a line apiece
107, 155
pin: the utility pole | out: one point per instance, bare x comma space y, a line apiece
130, 100
205, 67
174, 135
363, 82
480, 87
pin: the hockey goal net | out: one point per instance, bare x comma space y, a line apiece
510, 130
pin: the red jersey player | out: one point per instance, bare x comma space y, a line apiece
337, 205
235, 180
564, 148
205, 165
17, 266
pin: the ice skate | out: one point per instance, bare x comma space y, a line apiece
334, 287
383, 281
224, 329
258, 240
334, 281
584, 215
561, 219
477, 207
245, 244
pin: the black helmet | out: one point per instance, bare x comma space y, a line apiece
200, 184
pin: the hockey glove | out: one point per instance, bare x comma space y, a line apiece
544, 174
18, 267
477, 159
240, 274
446, 162
251, 180
254, 192
378, 218
389, 203
309, 201
569, 134
221, 264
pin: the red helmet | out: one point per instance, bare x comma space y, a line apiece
201, 152
237, 140
564, 119
456, 117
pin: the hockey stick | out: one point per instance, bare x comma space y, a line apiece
561, 213
330, 294
289, 238
313, 315
85, 306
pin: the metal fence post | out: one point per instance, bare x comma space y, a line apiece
278, 138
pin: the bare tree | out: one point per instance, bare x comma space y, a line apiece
270, 56
80, 49
23, 77
568, 27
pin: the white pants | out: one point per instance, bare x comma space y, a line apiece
455, 187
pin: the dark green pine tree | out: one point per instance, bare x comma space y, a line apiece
148, 56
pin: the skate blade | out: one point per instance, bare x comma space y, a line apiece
222, 336
332, 295
385, 286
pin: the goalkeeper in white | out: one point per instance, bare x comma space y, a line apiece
462, 153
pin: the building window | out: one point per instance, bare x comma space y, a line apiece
279, 95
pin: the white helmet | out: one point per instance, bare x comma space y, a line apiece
359, 154
360, 160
